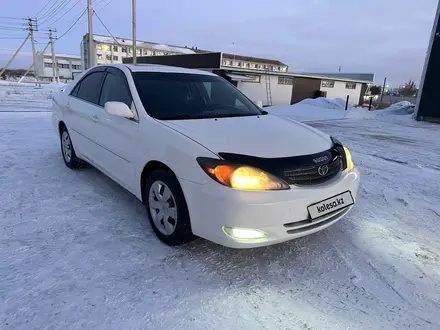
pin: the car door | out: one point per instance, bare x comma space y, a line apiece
117, 135
81, 114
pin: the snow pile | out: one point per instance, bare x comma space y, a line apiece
322, 102
312, 109
329, 109
400, 108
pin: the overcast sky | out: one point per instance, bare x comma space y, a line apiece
388, 37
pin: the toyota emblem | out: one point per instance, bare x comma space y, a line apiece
322, 170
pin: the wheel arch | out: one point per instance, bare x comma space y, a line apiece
60, 126
151, 166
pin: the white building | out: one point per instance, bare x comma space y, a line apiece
267, 80
66, 66
109, 50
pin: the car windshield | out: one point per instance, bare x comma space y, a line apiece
173, 96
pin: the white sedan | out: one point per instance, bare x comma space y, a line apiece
205, 160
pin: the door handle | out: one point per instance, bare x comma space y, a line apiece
95, 118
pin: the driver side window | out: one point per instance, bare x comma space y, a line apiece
115, 89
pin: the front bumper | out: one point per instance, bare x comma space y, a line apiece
282, 215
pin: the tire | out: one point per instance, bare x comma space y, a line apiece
169, 217
67, 150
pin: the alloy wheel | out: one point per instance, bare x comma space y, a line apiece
163, 208
66, 145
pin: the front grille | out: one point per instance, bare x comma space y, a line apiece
307, 225
303, 170
312, 175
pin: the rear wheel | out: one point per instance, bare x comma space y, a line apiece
167, 209
67, 150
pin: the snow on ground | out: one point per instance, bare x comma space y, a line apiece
77, 250
26, 96
329, 109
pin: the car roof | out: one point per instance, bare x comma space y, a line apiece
160, 68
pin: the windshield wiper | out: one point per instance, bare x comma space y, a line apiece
226, 115
182, 116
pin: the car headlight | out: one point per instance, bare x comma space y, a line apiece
350, 164
240, 177
347, 161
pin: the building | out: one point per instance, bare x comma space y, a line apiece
269, 81
66, 66
261, 79
331, 85
232, 61
110, 50
426, 106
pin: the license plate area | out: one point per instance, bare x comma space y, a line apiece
330, 205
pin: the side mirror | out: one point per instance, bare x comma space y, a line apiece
119, 109
259, 104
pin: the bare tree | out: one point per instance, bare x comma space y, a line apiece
408, 89
375, 90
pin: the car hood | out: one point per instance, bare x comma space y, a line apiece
260, 136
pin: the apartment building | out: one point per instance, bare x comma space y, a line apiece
249, 62
110, 50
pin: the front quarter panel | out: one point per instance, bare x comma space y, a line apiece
175, 150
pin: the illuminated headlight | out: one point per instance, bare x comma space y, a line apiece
350, 164
345, 153
240, 176
244, 234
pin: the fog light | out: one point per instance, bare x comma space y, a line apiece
244, 234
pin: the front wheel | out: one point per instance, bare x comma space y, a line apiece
67, 150
167, 209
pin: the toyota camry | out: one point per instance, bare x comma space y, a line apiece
204, 159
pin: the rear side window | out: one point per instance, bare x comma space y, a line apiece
115, 89
90, 86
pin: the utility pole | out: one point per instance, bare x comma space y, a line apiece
54, 62
34, 53
133, 12
15, 54
383, 89
32, 65
91, 43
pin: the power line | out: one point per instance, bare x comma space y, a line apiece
67, 11
71, 27
48, 9
12, 18
13, 23
12, 28
105, 27
12, 38
72, 20
47, 3
97, 3
105, 5
53, 11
